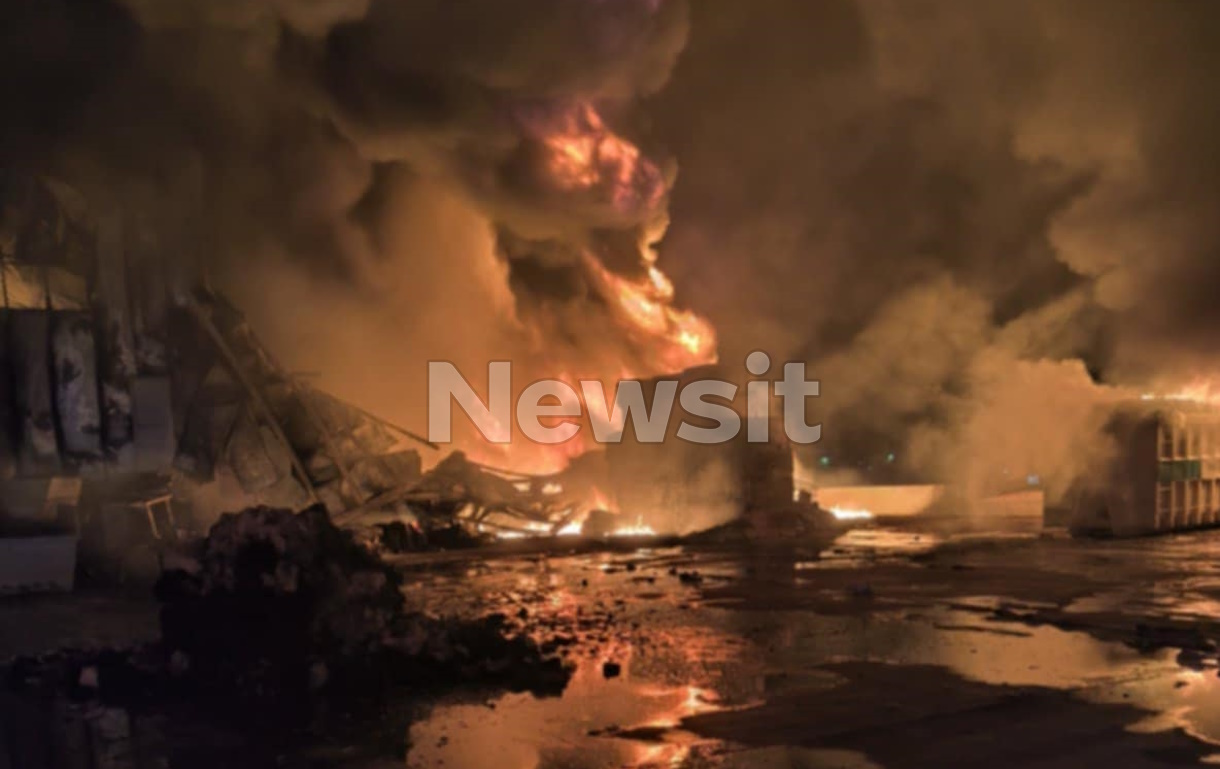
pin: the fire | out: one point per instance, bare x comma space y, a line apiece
661, 283
576, 529
580, 155
850, 514
695, 335
599, 501
584, 155
530, 530
682, 338
638, 529
529, 457
592, 499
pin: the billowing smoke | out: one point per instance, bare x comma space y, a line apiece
381, 183
973, 220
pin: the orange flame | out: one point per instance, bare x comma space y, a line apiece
637, 529
583, 154
599, 501
681, 338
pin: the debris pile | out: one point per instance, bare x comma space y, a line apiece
277, 594
282, 604
461, 502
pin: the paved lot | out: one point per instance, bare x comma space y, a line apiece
883, 648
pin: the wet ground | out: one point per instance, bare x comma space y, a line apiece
884, 648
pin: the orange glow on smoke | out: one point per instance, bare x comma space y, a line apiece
680, 339
584, 155
599, 501
581, 155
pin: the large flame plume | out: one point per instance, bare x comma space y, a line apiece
585, 165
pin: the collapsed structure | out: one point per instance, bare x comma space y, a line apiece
129, 390
115, 366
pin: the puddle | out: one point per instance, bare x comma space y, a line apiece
1178, 698
881, 541
706, 660
575, 731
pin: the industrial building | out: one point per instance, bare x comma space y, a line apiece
1163, 474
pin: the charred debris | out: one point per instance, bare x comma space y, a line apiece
136, 403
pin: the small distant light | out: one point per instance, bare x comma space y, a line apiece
825, 461
1033, 480
890, 457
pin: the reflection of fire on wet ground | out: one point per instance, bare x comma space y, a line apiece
747, 668
917, 651
598, 723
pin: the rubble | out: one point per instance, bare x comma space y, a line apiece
280, 619
275, 592
462, 503
284, 603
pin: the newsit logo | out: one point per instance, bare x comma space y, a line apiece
551, 411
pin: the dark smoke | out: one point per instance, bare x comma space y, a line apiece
969, 218
370, 178
961, 214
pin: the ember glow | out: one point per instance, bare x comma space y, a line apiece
637, 529
576, 529
532, 530
599, 501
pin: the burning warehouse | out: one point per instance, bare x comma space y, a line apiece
235, 234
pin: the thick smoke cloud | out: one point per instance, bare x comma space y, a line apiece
379, 183
956, 212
